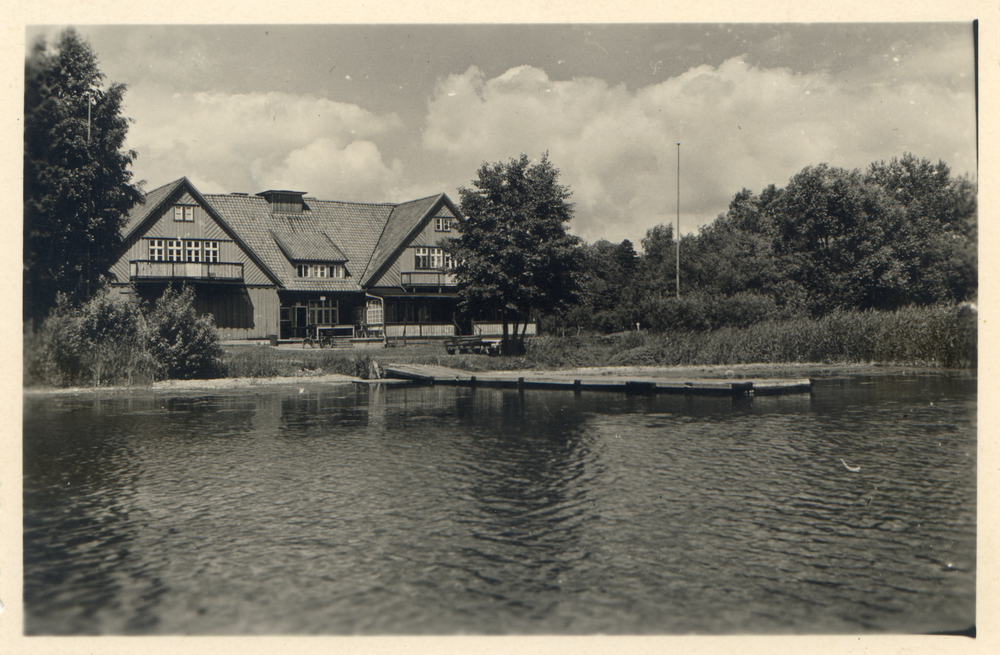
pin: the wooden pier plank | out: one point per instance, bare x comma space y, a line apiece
432, 374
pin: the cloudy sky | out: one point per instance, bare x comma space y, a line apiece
377, 113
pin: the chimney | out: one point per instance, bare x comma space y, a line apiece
284, 202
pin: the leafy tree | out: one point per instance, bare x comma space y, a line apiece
659, 260
901, 233
893, 237
514, 257
608, 291
77, 186
939, 242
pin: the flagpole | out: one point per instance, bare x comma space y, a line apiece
678, 235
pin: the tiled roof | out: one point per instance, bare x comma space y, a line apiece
308, 246
404, 221
149, 203
351, 229
365, 237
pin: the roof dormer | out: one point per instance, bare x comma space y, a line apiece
283, 201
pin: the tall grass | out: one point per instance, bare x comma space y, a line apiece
261, 362
251, 362
927, 336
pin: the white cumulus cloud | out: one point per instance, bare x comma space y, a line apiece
739, 126
255, 141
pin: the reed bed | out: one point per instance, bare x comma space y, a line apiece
943, 336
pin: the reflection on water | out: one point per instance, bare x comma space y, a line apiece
343, 510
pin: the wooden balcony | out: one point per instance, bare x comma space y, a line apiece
427, 279
196, 271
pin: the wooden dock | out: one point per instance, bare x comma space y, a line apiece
630, 384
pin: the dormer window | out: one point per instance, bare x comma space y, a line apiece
335, 271
184, 213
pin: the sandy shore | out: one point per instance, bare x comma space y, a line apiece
218, 384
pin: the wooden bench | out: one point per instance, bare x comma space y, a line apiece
475, 345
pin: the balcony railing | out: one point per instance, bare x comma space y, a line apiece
214, 271
428, 279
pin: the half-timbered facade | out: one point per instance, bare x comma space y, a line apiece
280, 263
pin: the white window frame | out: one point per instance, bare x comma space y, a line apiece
375, 313
192, 251
437, 259
442, 224
432, 259
422, 259
184, 213
320, 270
175, 250
156, 250
211, 251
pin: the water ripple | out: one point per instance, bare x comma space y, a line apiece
443, 510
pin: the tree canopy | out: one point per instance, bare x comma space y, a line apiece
77, 184
514, 256
899, 233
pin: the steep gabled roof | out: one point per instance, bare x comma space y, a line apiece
147, 211
149, 205
367, 238
406, 221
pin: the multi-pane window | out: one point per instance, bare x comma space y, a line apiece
192, 251
156, 250
323, 312
375, 313
442, 225
432, 259
437, 258
184, 213
423, 260
320, 270
174, 249
211, 251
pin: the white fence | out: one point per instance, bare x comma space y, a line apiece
418, 331
438, 330
496, 329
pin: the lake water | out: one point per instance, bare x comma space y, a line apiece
436, 510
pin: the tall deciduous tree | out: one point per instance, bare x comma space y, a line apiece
514, 257
77, 183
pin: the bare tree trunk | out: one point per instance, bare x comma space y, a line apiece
505, 342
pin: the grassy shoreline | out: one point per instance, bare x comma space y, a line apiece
925, 338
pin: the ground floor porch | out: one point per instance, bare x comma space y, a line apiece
342, 318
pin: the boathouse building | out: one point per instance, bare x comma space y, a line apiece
282, 264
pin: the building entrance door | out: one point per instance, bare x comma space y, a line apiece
300, 321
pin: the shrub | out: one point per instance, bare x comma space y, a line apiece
103, 340
185, 345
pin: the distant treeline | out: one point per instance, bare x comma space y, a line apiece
900, 234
